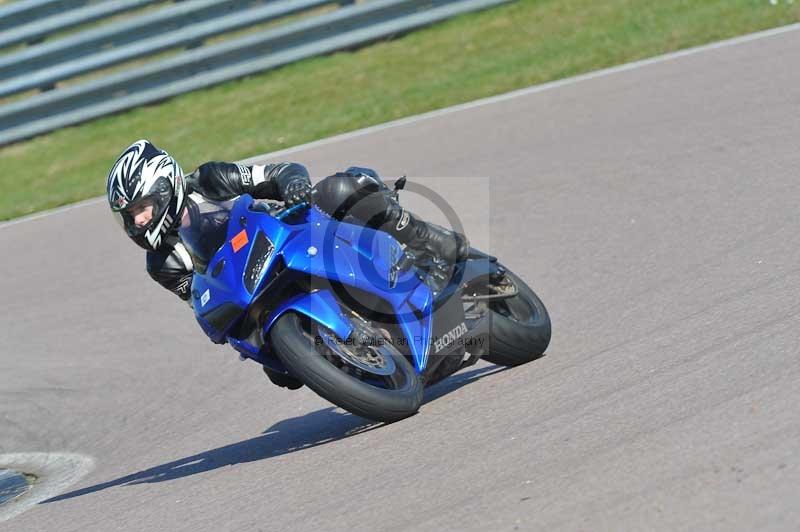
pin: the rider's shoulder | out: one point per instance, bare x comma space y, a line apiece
211, 166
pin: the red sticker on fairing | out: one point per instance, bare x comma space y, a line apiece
239, 241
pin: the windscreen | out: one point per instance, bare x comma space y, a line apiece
204, 229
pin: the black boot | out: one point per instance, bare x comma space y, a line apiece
421, 238
427, 244
435, 241
360, 193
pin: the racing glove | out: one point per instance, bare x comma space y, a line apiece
296, 191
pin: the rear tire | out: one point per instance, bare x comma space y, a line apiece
520, 327
295, 346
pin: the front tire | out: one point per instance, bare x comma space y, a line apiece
388, 398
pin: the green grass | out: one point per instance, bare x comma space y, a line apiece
477, 55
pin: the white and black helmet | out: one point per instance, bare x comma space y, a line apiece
146, 173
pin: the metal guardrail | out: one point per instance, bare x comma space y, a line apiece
16, 13
164, 41
65, 20
197, 68
114, 34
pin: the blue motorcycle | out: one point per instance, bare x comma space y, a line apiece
345, 310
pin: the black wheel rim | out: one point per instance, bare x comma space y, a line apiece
366, 356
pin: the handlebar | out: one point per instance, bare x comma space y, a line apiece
292, 210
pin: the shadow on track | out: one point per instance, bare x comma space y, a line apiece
287, 436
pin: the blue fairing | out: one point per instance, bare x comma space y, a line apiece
316, 245
320, 306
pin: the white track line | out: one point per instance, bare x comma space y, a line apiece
469, 105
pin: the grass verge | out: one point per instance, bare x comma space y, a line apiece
469, 57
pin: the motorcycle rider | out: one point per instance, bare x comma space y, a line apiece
148, 194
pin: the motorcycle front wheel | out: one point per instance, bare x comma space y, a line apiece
365, 375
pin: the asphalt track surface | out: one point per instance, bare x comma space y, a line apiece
655, 210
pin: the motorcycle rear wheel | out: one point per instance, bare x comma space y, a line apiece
520, 325
334, 375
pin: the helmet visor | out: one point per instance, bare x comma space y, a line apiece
140, 216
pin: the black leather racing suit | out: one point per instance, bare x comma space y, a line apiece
170, 265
